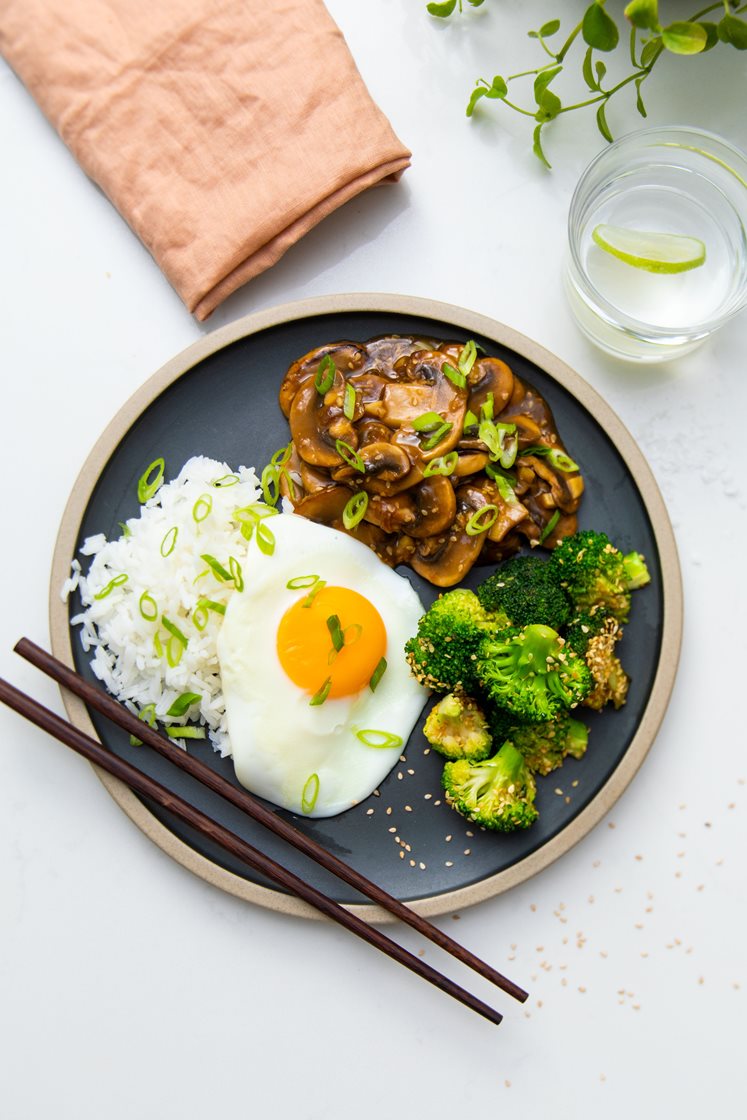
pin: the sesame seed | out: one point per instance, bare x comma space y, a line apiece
369, 812
394, 829
401, 855
467, 851
421, 866
447, 838
389, 811
408, 808
412, 863
448, 863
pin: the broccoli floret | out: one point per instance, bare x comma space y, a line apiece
497, 793
594, 635
531, 673
457, 728
544, 745
529, 591
443, 653
595, 573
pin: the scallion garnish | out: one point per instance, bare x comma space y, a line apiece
126, 530
182, 704
555, 456
427, 422
265, 539
299, 582
188, 732
355, 509
335, 632
150, 481
378, 673
349, 402
157, 645
481, 520
444, 464
201, 614
350, 455
310, 793
437, 436
147, 715
235, 570
226, 480
317, 587
507, 457
505, 489
379, 740
470, 420
117, 581
270, 482
486, 408
321, 694
174, 651
202, 507
216, 567
174, 630
168, 544
550, 526
467, 357
148, 607
352, 633
455, 376
325, 375
491, 437
282, 455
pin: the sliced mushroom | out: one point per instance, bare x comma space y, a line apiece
393, 515
308, 421
490, 376
435, 507
347, 356
324, 506
448, 558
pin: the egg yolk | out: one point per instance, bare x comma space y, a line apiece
306, 648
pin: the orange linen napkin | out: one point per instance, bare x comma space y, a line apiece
222, 130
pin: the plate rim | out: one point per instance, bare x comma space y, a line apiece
472, 323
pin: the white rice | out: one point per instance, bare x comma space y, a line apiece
124, 644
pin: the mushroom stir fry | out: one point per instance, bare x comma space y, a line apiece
434, 456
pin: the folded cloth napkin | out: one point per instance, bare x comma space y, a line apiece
222, 130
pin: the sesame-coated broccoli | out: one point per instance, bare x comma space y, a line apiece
456, 727
595, 573
497, 793
594, 635
529, 672
544, 745
443, 653
527, 588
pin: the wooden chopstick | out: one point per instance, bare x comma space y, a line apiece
146, 786
113, 710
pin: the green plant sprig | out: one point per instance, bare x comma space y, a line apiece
599, 31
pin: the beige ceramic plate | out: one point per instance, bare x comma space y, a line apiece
219, 398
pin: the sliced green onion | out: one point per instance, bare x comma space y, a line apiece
226, 480
117, 581
282, 455
168, 544
265, 539
505, 489
335, 632
174, 630
467, 357
378, 673
270, 482
202, 507
201, 613
236, 575
216, 567
427, 421
320, 583
351, 457
325, 375
491, 437
299, 582
352, 633
437, 436
355, 509
174, 651
470, 420
455, 376
157, 645
350, 401
379, 740
321, 694
147, 715
486, 408
555, 456
481, 520
147, 601
444, 464
290, 483
185, 732
147, 485
183, 703
507, 457
550, 526
310, 793
126, 530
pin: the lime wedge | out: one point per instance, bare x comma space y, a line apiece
655, 252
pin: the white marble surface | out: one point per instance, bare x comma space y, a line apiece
130, 989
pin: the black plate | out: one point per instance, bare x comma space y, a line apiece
225, 406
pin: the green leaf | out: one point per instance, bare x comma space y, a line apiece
537, 147
651, 51
602, 123
442, 10
638, 98
549, 106
601, 70
477, 93
599, 29
682, 37
498, 88
542, 81
549, 28
476, 3
733, 30
711, 30
643, 14
588, 70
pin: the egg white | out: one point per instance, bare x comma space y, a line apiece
278, 740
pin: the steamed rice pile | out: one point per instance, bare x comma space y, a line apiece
131, 653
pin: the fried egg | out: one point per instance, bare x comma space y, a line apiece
299, 649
